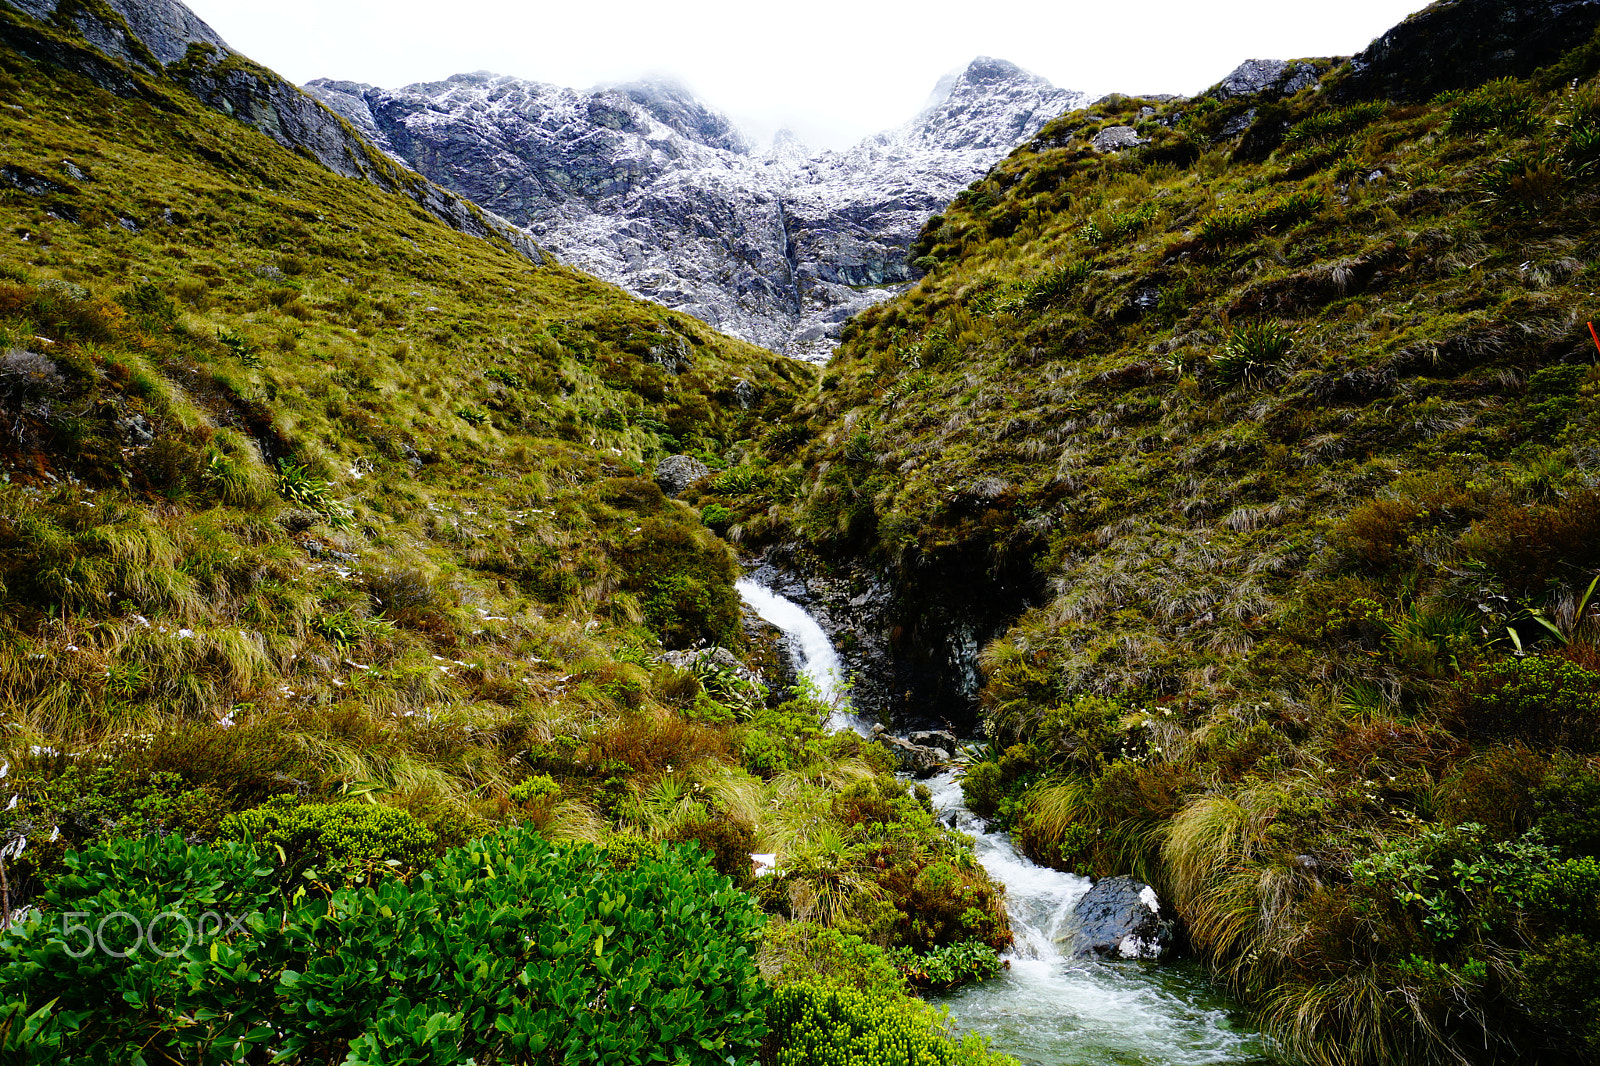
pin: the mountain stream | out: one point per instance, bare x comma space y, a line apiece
1045, 1009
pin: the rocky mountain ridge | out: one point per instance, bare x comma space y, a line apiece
648, 187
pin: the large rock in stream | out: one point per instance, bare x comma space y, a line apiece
1118, 918
923, 754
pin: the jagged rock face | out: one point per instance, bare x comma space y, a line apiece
909, 647
165, 27
1460, 43
647, 187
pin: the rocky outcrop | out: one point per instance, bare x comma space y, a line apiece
715, 658
1118, 918
164, 39
648, 187
153, 34
677, 472
1271, 78
1460, 43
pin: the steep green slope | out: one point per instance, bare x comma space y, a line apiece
328, 540
1290, 413
343, 445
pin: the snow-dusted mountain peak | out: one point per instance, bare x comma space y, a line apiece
646, 185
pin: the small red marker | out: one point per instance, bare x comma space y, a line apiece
1595, 335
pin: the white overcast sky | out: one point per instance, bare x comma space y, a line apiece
832, 70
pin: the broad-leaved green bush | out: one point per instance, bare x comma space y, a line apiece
508, 950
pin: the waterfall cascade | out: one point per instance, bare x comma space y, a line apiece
1046, 1009
810, 650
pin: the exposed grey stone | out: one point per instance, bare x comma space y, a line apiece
1118, 918
1116, 138
1239, 123
677, 472
28, 182
934, 738
1272, 78
1250, 77
136, 431
721, 658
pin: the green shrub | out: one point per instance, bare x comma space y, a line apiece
1569, 894
1568, 810
820, 955
347, 840
1561, 986
816, 1024
1327, 126
511, 950
146, 301
727, 841
1226, 227
787, 737
1542, 699
993, 788
1526, 184
299, 486
534, 789
1253, 354
1058, 286
1450, 882
948, 966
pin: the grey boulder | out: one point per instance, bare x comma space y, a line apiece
677, 472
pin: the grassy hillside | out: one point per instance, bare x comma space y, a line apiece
328, 542
1290, 411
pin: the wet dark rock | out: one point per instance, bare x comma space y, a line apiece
909, 645
941, 739
1118, 918
1466, 43
677, 472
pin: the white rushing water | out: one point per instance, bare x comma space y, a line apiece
1049, 1010
1045, 1009
810, 649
